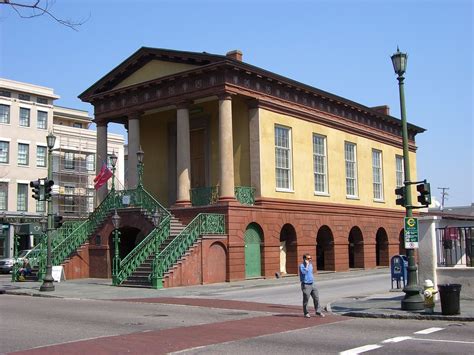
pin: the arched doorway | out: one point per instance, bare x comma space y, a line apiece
356, 248
253, 257
401, 246
216, 263
129, 238
325, 256
288, 239
381, 248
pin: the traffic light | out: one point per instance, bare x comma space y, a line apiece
58, 221
400, 192
36, 187
48, 187
425, 193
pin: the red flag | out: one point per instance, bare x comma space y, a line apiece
104, 175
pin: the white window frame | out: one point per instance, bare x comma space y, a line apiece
27, 156
351, 167
284, 152
399, 171
26, 109
23, 198
90, 162
5, 114
38, 161
320, 164
5, 154
38, 120
69, 163
3, 196
377, 174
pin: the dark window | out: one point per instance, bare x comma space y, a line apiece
42, 100
5, 93
77, 125
24, 97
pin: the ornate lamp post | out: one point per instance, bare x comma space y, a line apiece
413, 301
156, 281
113, 161
116, 260
140, 155
16, 232
48, 280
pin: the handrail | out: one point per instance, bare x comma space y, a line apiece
203, 223
143, 250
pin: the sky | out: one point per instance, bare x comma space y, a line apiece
340, 46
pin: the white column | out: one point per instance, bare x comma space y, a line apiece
226, 149
101, 158
183, 155
255, 164
133, 148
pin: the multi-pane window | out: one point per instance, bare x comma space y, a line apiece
24, 97
5, 93
3, 196
23, 153
42, 121
399, 171
42, 100
4, 151
22, 197
24, 117
4, 114
68, 160
69, 199
377, 176
40, 156
283, 157
320, 164
90, 162
350, 156
40, 206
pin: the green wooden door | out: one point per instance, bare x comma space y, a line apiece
253, 267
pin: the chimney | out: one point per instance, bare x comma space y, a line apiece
384, 109
235, 54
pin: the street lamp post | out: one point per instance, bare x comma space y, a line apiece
16, 242
48, 280
113, 162
140, 155
413, 301
116, 260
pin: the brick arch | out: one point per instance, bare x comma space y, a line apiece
382, 255
216, 263
356, 248
325, 255
289, 236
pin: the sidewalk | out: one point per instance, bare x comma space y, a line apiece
386, 305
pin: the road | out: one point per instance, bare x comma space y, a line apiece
237, 318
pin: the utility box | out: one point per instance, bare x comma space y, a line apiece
399, 270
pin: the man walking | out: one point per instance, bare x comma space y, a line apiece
308, 287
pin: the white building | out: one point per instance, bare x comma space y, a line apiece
27, 115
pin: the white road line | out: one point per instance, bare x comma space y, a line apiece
445, 341
396, 340
429, 330
361, 349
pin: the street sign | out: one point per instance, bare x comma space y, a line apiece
411, 233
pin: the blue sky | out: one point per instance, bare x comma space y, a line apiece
341, 46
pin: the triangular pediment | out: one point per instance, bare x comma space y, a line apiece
153, 70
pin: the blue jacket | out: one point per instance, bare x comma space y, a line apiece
306, 275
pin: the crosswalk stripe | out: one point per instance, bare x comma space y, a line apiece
429, 330
361, 349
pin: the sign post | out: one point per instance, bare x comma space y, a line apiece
411, 233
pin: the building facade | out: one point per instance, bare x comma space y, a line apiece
27, 115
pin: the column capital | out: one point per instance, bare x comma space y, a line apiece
134, 115
253, 103
185, 104
100, 122
225, 96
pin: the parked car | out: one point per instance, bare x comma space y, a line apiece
6, 264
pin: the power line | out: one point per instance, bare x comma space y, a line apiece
444, 195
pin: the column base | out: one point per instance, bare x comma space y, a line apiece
183, 203
227, 199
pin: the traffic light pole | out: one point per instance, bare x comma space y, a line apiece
413, 301
48, 281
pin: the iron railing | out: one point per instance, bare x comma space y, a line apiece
203, 223
455, 246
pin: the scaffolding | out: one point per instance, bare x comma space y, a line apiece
73, 175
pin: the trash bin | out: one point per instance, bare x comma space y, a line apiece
450, 295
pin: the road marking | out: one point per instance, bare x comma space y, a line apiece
396, 340
361, 349
445, 341
429, 330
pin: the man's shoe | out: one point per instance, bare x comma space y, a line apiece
320, 314
307, 315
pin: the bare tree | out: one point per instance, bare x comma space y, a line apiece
35, 8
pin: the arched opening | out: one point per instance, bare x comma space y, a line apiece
325, 256
129, 238
253, 251
288, 239
381, 248
401, 245
216, 263
356, 248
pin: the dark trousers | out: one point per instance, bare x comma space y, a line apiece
310, 290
